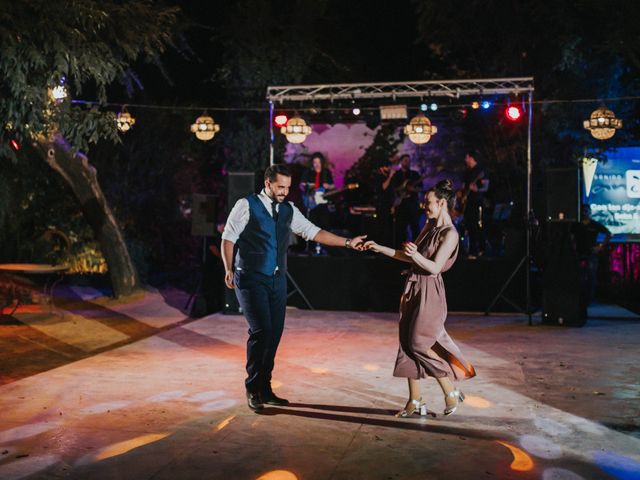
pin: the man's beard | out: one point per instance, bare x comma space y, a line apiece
272, 195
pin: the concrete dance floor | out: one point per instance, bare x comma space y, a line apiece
138, 391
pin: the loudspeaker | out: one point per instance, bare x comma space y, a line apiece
240, 184
562, 188
203, 215
562, 295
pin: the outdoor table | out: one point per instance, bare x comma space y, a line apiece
53, 274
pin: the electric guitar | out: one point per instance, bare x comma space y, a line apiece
462, 195
320, 196
405, 189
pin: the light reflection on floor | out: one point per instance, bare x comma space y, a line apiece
319, 370
165, 397
476, 402
521, 461
125, 446
278, 475
225, 423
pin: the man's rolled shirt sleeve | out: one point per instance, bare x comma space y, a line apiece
236, 221
300, 225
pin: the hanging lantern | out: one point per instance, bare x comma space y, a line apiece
205, 128
602, 124
124, 120
58, 94
589, 166
420, 129
296, 130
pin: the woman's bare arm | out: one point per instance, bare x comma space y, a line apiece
446, 248
389, 252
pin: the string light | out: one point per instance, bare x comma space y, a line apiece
205, 128
124, 120
419, 130
602, 123
296, 130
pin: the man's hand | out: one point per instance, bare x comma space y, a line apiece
228, 279
357, 243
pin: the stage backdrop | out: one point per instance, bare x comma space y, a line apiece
615, 192
343, 144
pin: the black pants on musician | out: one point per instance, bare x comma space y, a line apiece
473, 223
407, 215
263, 299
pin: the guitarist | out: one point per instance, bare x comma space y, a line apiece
316, 179
476, 184
314, 182
404, 183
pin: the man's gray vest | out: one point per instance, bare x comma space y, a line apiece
263, 244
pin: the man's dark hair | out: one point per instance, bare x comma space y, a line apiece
403, 156
272, 172
472, 152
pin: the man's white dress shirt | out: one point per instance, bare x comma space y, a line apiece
239, 217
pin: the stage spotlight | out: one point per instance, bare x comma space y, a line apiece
513, 113
356, 111
280, 120
475, 105
486, 104
433, 107
424, 107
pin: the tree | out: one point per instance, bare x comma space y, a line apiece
84, 46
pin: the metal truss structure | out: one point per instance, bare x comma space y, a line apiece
393, 90
423, 90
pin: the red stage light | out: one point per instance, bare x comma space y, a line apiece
280, 120
513, 113
15, 145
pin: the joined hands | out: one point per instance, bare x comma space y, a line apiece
357, 243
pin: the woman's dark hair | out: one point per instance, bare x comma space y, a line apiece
272, 172
444, 189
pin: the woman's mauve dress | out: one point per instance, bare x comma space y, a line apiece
426, 349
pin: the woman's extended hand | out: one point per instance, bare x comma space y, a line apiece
410, 249
371, 245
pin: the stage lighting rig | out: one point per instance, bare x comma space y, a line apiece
280, 120
513, 113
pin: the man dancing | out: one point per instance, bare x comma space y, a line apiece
259, 226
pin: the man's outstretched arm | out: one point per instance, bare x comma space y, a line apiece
331, 240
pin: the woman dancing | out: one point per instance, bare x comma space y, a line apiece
426, 350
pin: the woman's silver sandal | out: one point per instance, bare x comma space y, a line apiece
459, 396
418, 407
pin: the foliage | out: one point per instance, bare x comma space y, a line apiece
149, 180
39, 219
85, 44
573, 50
285, 50
382, 149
